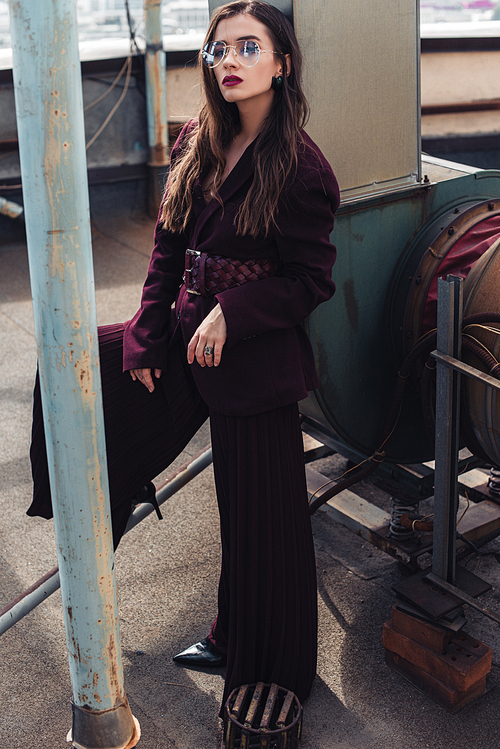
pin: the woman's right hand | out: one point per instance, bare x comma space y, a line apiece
144, 376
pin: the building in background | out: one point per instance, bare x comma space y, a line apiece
105, 19
190, 15
459, 11
4, 25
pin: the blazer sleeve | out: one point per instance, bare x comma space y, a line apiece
304, 225
146, 335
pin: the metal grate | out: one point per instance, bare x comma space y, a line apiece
262, 715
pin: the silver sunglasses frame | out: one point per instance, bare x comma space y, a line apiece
228, 47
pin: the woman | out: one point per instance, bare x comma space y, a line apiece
242, 256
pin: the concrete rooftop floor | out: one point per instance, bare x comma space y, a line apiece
167, 572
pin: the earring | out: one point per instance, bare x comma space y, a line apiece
277, 83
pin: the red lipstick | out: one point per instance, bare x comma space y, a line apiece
231, 80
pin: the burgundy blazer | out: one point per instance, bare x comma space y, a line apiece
267, 360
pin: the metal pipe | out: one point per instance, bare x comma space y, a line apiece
49, 583
156, 100
49, 109
10, 209
27, 601
449, 326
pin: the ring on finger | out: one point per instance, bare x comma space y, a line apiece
208, 350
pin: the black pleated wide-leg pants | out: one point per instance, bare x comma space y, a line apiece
267, 606
267, 620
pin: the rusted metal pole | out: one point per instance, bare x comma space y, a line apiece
48, 92
156, 97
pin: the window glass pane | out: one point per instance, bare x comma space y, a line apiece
4, 25
459, 18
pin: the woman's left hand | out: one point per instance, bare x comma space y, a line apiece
212, 333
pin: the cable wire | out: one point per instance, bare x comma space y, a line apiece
110, 115
109, 90
132, 31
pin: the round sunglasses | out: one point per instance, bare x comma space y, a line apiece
246, 52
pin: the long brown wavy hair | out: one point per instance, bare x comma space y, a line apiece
275, 150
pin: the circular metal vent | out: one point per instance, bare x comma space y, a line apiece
262, 715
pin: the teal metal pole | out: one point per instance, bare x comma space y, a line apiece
48, 92
156, 97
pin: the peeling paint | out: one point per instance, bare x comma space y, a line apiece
55, 253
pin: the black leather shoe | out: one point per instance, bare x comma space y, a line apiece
200, 654
147, 495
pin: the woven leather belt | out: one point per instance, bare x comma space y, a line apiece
207, 275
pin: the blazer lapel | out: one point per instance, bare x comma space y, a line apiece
242, 170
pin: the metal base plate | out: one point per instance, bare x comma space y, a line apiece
453, 622
433, 601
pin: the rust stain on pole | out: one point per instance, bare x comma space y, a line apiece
156, 86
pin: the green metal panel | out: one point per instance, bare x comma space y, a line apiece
350, 333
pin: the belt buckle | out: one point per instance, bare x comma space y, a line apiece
196, 253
